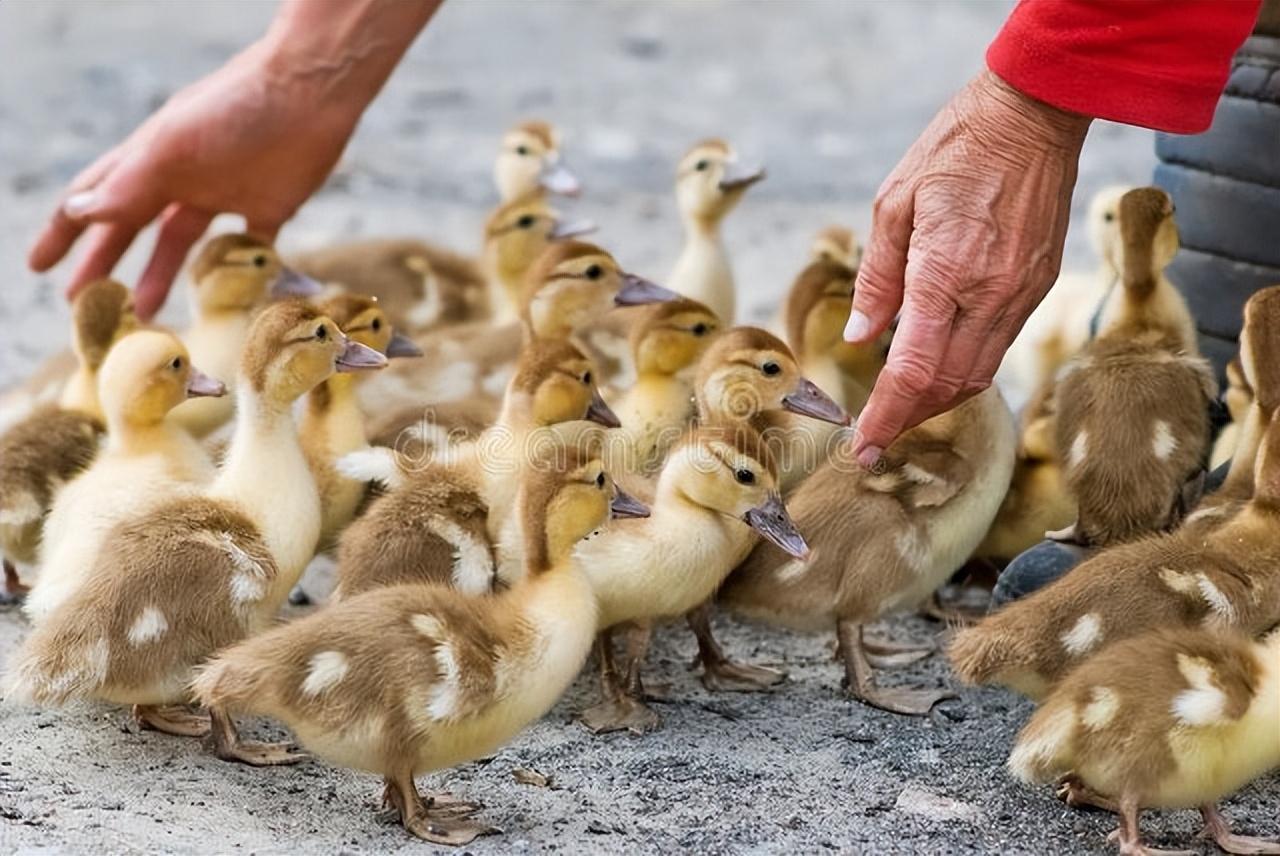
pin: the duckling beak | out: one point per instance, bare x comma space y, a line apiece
564, 230
558, 178
357, 357
771, 520
290, 283
200, 385
637, 290
600, 412
808, 400
402, 346
626, 505
739, 177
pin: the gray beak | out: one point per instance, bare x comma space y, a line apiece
600, 412
739, 177
290, 283
357, 357
637, 290
402, 346
771, 520
808, 400
626, 505
557, 178
572, 229
200, 385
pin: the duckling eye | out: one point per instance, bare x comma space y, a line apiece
259, 261
376, 325
1108, 217
522, 150
701, 166
527, 221
176, 364
322, 332
771, 368
594, 272
586, 378
699, 329
745, 476
600, 481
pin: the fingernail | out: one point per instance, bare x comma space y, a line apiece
870, 456
79, 204
857, 328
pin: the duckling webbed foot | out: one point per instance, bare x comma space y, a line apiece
225, 742
719, 673
1217, 828
13, 591
860, 681
440, 819
887, 655
1129, 834
172, 719
621, 713
1077, 794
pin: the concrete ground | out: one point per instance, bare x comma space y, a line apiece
828, 95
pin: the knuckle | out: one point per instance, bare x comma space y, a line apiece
911, 375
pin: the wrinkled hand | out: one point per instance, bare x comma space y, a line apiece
249, 139
966, 239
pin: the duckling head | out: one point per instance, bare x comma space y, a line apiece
1148, 239
575, 283
553, 384
530, 162
238, 272
748, 370
728, 468
1260, 347
292, 347
710, 180
815, 312
518, 232
147, 374
1104, 223
362, 320
100, 315
836, 244
672, 336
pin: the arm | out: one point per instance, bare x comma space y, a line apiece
967, 231
257, 137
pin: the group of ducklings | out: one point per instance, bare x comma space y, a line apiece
564, 452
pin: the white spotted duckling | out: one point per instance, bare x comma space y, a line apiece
198, 573
884, 541
233, 277
53, 443
1132, 407
413, 679
147, 460
1224, 577
1168, 719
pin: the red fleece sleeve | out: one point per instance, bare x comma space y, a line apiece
1157, 63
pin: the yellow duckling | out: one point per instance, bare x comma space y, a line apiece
1223, 577
1168, 719
1238, 397
233, 277
412, 679
147, 460
332, 423
530, 161
198, 573
52, 444
710, 181
884, 541
837, 244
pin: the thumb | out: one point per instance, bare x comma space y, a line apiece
128, 194
877, 294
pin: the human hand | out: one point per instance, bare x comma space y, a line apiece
966, 239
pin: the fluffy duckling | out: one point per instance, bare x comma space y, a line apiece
709, 183
1132, 407
717, 491
51, 444
412, 679
1238, 397
197, 573
837, 244
1169, 719
657, 409
233, 276
332, 423
884, 541
441, 522
530, 162
1221, 577
148, 459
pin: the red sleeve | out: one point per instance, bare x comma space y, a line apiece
1157, 63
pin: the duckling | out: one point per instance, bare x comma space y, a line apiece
441, 522
885, 540
1132, 407
530, 162
197, 573
332, 423
1223, 577
837, 244
717, 491
53, 443
1238, 397
1168, 719
233, 276
412, 679
659, 406
710, 181
147, 460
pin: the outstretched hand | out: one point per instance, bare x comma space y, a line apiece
966, 239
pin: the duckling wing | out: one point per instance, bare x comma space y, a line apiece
923, 472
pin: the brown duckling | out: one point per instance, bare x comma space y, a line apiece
198, 573
837, 244
1168, 719
413, 679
